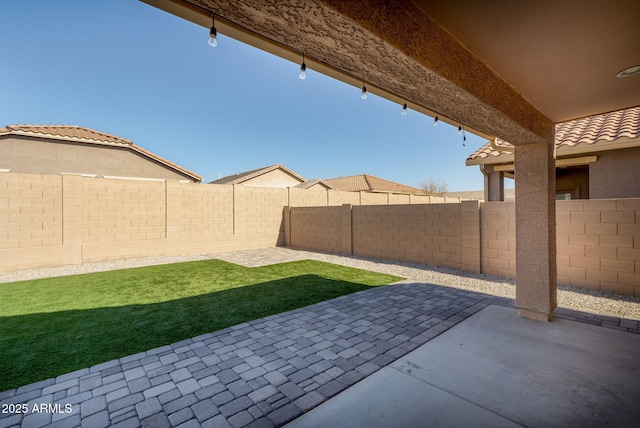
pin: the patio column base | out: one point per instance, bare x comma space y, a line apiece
535, 315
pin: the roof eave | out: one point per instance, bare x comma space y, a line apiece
166, 163
490, 160
598, 146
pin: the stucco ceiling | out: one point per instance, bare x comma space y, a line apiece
503, 68
562, 56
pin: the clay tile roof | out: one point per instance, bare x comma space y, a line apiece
241, 177
85, 135
594, 131
369, 183
66, 131
485, 151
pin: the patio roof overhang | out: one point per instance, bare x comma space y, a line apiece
502, 69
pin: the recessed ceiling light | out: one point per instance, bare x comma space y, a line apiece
631, 71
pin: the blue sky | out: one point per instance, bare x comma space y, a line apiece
128, 69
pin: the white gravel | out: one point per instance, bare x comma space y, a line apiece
591, 301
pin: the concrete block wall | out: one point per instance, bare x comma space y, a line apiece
123, 210
337, 198
425, 233
374, 198
319, 198
258, 211
444, 235
498, 238
599, 244
420, 199
31, 211
32, 222
470, 240
199, 211
399, 199
322, 229
302, 198
53, 220
598, 241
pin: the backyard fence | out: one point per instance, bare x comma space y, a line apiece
598, 241
53, 220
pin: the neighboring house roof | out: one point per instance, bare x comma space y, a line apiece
615, 130
79, 134
241, 177
317, 181
370, 183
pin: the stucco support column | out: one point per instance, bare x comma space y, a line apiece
535, 230
493, 184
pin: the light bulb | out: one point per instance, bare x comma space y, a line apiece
435, 121
364, 92
303, 71
404, 109
213, 38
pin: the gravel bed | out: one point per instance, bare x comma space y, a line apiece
591, 301
582, 299
23, 275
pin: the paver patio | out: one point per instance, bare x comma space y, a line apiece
262, 373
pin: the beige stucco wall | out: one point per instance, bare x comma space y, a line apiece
275, 178
616, 174
30, 155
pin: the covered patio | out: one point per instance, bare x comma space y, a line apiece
499, 69
406, 354
409, 353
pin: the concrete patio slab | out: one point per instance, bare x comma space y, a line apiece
498, 369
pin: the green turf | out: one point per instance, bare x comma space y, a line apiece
57, 325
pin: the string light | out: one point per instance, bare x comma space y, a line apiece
303, 69
213, 42
213, 33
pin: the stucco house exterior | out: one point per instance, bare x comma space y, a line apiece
597, 157
66, 149
371, 184
276, 175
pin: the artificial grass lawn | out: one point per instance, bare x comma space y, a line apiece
56, 325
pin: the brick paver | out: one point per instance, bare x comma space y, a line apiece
262, 373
